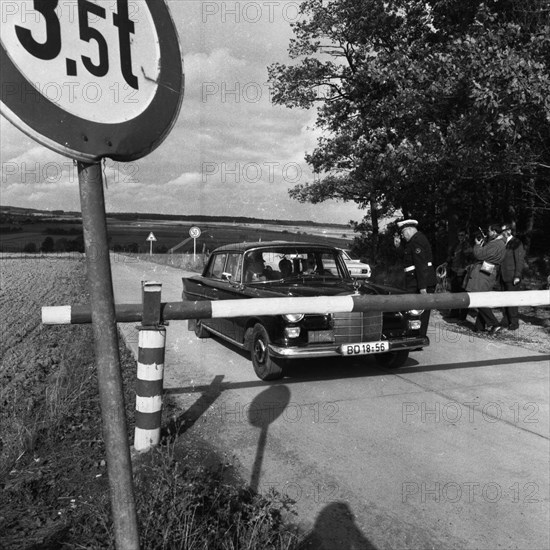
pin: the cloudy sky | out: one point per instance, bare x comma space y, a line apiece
231, 150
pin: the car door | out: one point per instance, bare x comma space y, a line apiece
208, 287
229, 288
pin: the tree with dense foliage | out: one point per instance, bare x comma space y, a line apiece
437, 108
47, 245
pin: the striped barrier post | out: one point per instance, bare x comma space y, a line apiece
150, 370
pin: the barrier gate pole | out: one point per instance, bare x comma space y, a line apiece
150, 370
111, 396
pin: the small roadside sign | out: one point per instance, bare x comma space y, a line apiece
195, 232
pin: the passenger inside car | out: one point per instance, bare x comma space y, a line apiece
310, 266
285, 267
254, 267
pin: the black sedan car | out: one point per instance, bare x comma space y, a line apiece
285, 269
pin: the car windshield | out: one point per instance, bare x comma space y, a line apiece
289, 262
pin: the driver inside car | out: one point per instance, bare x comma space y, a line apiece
255, 268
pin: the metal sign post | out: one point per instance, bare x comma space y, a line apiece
151, 238
194, 233
111, 396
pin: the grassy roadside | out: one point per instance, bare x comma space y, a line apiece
53, 475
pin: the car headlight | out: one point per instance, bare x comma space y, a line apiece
293, 317
292, 332
415, 312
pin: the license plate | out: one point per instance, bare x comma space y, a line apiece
364, 348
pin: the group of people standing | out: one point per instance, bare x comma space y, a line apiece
496, 258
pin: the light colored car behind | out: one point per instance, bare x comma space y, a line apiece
356, 268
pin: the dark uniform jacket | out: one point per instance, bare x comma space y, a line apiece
512, 265
418, 261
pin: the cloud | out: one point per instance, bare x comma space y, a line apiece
231, 150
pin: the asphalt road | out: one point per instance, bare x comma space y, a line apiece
451, 451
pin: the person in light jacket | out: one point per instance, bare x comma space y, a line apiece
483, 274
511, 272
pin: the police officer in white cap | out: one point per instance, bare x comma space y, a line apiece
417, 256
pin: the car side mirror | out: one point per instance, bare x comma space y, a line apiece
229, 278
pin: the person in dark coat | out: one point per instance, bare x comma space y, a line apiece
460, 257
483, 274
511, 271
418, 260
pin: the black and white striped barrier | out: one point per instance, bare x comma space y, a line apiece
150, 370
127, 313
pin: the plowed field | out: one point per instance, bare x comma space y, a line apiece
33, 359
51, 450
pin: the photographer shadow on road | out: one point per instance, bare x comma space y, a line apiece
335, 527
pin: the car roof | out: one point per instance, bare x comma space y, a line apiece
245, 246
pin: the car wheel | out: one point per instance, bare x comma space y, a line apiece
265, 366
200, 331
392, 359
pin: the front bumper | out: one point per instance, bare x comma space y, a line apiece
331, 350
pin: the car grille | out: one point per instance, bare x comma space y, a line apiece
357, 327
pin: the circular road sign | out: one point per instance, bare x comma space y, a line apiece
195, 232
91, 79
